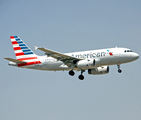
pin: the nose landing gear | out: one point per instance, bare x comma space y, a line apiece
119, 70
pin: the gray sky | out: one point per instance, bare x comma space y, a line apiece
67, 26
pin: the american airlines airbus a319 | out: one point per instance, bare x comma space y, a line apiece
95, 61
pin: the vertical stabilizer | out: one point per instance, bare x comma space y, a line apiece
22, 51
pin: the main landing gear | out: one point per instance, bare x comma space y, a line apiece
119, 70
81, 77
71, 73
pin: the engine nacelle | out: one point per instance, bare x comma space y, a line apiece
85, 63
97, 62
99, 70
88, 63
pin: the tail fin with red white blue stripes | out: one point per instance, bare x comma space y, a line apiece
22, 51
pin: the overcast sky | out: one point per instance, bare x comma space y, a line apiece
67, 26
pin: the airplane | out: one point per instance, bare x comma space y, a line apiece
95, 61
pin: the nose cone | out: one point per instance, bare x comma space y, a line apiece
135, 56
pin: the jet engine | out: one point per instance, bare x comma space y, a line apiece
99, 70
89, 63
97, 62
85, 63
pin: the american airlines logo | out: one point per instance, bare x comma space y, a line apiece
92, 55
110, 53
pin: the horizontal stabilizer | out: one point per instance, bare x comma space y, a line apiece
14, 60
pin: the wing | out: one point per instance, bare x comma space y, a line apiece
14, 60
59, 56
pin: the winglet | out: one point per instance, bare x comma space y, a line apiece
36, 47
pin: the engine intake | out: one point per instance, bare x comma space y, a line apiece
97, 62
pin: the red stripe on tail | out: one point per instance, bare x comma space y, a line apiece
17, 48
19, 54
30, 58
14, 42
12, 37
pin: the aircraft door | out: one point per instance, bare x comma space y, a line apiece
116, 53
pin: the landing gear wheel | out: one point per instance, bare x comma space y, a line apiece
71, 73
119, 70
81, 77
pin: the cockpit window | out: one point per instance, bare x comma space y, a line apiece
131, 51
128, 51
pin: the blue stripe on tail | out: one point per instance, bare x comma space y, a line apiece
23, 46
